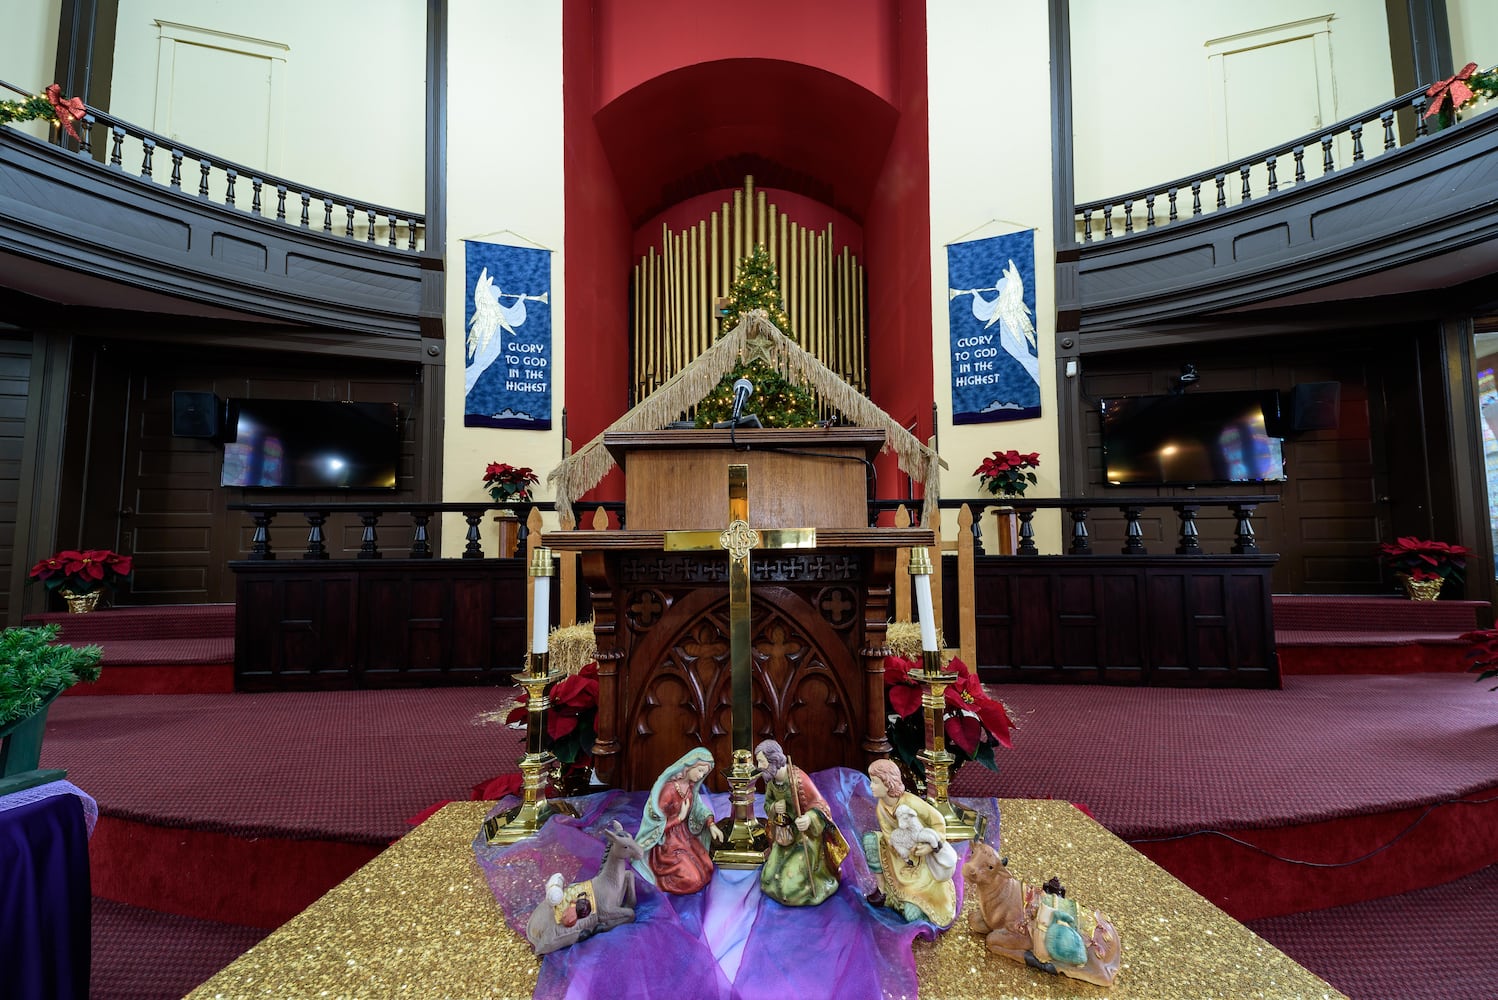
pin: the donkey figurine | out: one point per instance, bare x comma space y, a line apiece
583, 909
1039, 926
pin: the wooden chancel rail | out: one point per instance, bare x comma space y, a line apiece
1139, 608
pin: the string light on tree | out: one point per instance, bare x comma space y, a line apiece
778, 401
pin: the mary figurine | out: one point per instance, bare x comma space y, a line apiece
677, 827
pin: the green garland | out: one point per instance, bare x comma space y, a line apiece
29, 110
34, 667
778, 402
1447, 98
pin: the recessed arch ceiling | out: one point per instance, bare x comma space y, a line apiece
793, 126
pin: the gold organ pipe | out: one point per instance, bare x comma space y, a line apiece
737, 225
760, 222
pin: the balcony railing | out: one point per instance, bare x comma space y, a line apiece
129, 148
1306, 159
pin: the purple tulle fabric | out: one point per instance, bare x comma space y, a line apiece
728, 942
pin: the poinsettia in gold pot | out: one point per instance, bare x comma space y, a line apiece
508, 483
81, 578
1423, 566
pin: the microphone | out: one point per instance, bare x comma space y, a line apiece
742, 390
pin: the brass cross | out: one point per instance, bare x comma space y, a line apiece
740, 849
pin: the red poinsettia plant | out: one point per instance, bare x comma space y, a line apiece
84, 572
1007, 473
1483, 652
508, 482
973, 723
1422, 559
569, 721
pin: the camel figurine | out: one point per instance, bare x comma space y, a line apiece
1039, 926
570, 913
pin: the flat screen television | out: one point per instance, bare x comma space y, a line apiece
1192, 439
301, 444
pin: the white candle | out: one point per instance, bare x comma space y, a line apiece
928, 616
542, 608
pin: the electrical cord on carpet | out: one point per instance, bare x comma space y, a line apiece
1318, 864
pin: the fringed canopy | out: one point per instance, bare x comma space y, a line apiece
756, 338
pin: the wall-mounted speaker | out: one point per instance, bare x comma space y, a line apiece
196, 415
1315, 406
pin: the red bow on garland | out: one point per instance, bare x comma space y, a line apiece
70, 110
1453, 89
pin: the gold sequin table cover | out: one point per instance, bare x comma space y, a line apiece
420, 921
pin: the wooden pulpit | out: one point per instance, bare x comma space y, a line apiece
819, 615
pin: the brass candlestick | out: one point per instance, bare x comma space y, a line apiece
744, 839
962, 824
537, 764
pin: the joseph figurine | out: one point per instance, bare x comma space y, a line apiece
806, 848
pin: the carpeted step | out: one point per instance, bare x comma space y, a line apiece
159, 623
140, 954
164, 649
1294, 612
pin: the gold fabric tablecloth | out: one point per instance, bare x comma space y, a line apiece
420, 921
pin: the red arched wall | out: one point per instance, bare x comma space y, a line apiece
804, 212
664, 100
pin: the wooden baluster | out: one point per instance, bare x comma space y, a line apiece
1387, 118
85, 146
978, 511
204, 167
1107, 222
1243, 542
327, 215
1129, 215
1081, 542
348, 221
230, 176
522, 537
260, 541
116, 149
1133, 533
421, 545
147, 149
1149, 211
412, 244
176, 178
1222, 190
1270, 166
394, 225
1299, 153
316, 549
1190, 544
1420, 129
256, 185
1087, 226
1327, 164
369, 546
473, 550
1247, 192
371, 236
1196, 197
280, 202
1026, 531
306, 210
1357, 142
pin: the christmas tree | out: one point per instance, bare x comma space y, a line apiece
778, 402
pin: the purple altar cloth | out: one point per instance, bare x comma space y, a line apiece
728, 942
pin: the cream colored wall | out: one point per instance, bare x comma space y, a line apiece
1474, 32
1143, 112
28, 52
991, 174
353, 118
504, 185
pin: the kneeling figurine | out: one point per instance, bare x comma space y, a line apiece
570, 913
1039, 926
909, 854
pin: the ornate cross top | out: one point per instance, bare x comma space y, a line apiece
743, 845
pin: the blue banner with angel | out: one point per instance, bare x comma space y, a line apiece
507, 315
990, 310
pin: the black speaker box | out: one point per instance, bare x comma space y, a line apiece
1315, 406
196, 415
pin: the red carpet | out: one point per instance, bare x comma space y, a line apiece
1373, 635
